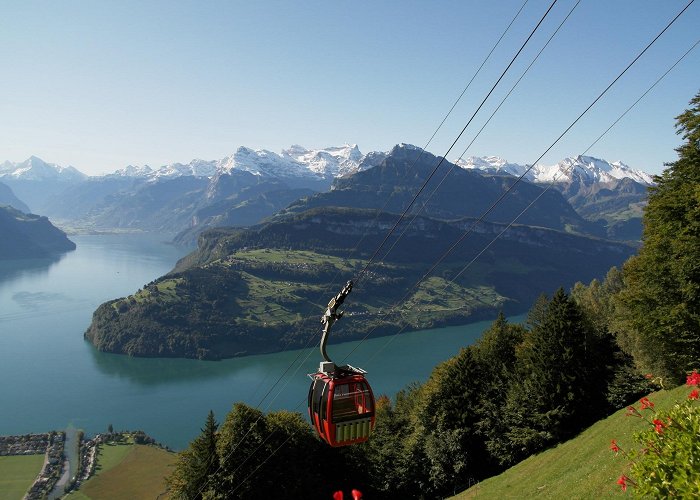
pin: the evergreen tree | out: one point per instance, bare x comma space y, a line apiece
555, 389
447, 418
659, 307
496, 356
193, 476
241, 450
616, 369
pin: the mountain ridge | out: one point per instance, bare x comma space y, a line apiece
28, 236
232, 190
327, 162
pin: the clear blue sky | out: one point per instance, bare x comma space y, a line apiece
102, 84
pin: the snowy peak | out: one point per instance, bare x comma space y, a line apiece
602, 171
585, 169
195, 168
133, 171
295, 162
327, 162
36, 169
492, 165
262, 162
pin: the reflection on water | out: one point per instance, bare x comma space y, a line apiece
35, 300
12, 269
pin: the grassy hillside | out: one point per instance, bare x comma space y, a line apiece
127, 471
17, 473
583, 467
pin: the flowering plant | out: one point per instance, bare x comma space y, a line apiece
668, 464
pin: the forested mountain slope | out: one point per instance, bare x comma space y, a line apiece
27, 236
258, 290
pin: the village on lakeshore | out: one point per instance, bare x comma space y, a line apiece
61, 471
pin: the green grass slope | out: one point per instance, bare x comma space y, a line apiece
131, 471
17, 473
583, 467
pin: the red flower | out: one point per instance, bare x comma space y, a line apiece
693, 378
648, 376
646, 403
356, 494
693, 394
614, 447
632, 412
338, 495
658, 426
622, 481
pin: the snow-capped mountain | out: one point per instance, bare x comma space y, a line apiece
36, 169
328, 162
587, 169
295, 162
133, 171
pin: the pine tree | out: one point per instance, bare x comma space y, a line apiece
194, 474
554, 391
659, 307
496, 357
241, 450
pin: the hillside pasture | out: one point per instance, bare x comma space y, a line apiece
583, 467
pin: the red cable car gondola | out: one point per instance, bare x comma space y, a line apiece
341, 403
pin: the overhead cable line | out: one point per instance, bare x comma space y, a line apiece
518, 179
447, 115
442, 159
452, 166
493, 206
549, 186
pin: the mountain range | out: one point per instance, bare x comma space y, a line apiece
613, 194
260, 289
246, 187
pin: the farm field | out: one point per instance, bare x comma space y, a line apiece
17, 473
127, 471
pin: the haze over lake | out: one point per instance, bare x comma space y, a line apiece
52, 378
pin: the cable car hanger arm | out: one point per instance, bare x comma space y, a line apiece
331, 316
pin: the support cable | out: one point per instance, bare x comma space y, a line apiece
442, 159
518, 179
493, 48
449, 171
550, 185
492, 207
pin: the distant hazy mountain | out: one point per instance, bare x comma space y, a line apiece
26, 236
599, 190
181, 197
317, 168
34, 181
249, 185
7, 197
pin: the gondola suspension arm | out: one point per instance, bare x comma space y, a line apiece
328, 320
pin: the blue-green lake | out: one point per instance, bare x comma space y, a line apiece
50, 377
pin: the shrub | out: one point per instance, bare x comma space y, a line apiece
668, 462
